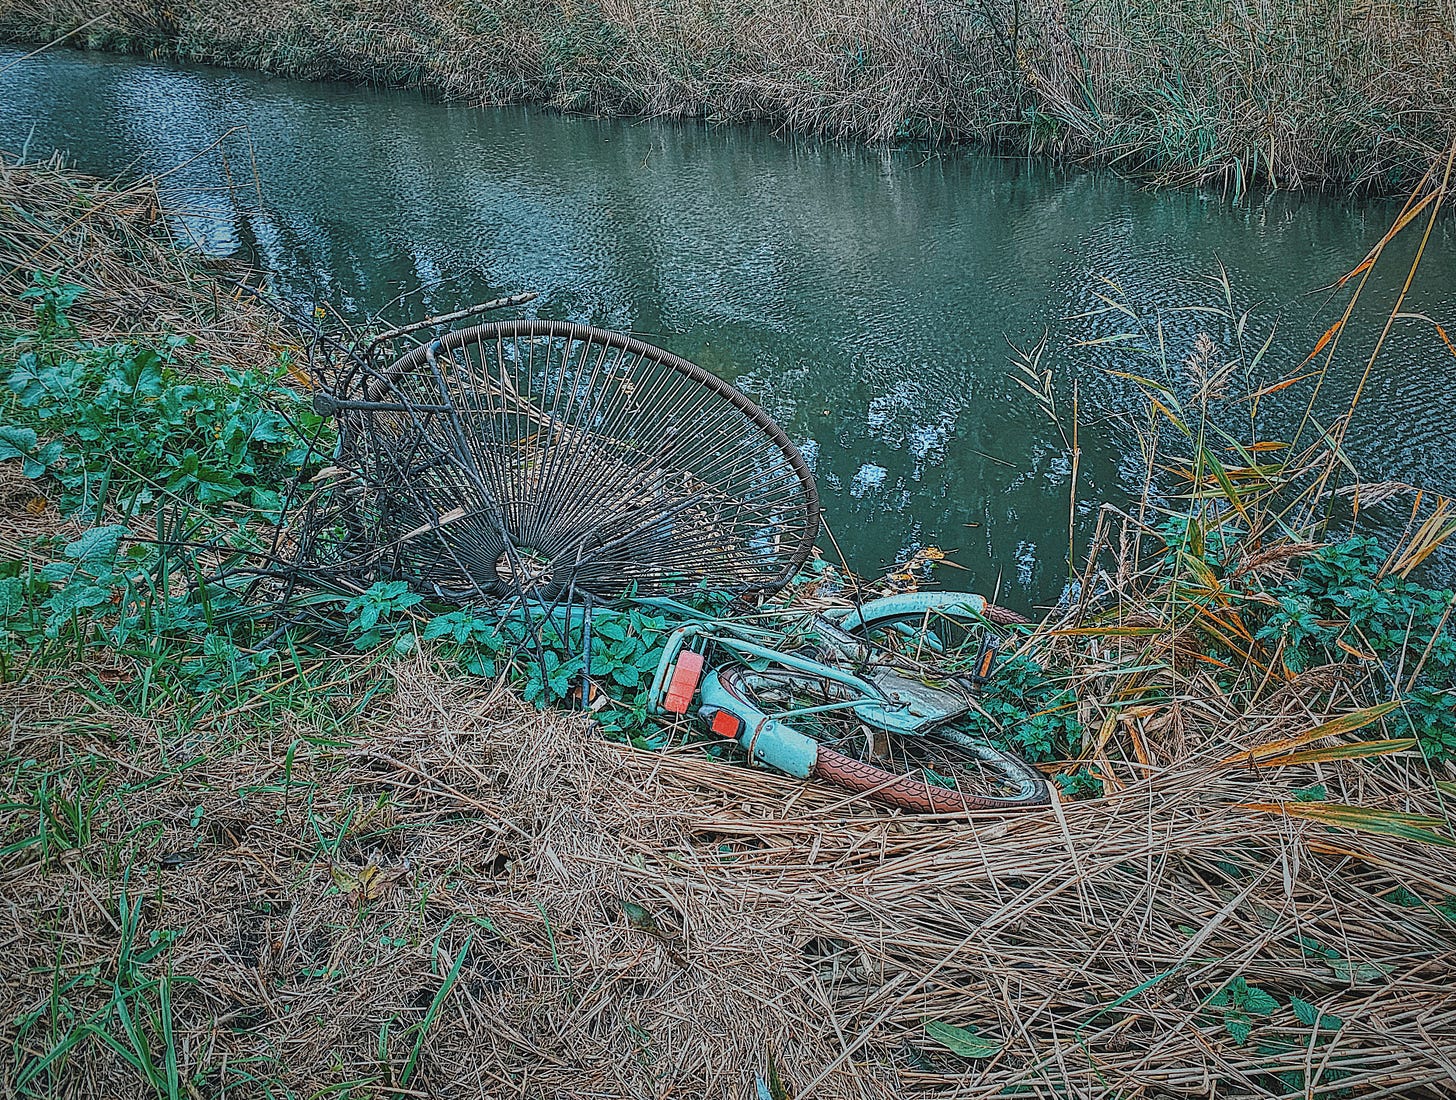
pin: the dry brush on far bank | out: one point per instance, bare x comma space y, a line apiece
1345, 94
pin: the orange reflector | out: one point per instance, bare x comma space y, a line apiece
985, 670
685, 675
727, 725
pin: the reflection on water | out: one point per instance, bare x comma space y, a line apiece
865, 298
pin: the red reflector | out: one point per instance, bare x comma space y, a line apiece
685, 675
727, 725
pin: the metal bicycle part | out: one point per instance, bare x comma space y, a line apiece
939, 769
555, 462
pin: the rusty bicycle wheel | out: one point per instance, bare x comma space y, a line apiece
562, 463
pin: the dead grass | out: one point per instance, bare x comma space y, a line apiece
636, 924
115, 240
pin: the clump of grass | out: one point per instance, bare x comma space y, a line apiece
1281, 94
1240, 596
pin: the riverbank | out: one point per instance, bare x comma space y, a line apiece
242, 867
1286, 94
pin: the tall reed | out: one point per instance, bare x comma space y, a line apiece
1357, 94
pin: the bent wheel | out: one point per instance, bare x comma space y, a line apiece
955, 775
559, 461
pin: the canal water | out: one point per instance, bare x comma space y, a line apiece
869, 299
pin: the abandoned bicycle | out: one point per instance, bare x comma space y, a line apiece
868, 699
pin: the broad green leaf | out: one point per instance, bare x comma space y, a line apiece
1260, 1002
16, 442
962, 1041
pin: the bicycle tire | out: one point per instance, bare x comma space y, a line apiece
915, 795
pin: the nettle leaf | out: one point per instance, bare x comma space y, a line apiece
441, 625
1260, 1002
1304, 1012
612, 629
1239, 1027
960, 1040
1405, 899
1229, 994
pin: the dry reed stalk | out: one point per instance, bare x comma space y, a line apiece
651, 924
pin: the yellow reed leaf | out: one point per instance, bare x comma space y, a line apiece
1345, 723
1421, 828
1355, 750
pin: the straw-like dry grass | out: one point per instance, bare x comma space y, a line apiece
321, 886
1279, 93
115, 238
372, 878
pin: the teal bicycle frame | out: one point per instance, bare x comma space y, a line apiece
881, 697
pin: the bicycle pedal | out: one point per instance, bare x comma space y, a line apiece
985, 660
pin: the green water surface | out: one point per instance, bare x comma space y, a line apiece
864, 297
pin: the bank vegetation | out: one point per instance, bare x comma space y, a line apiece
1340, 94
